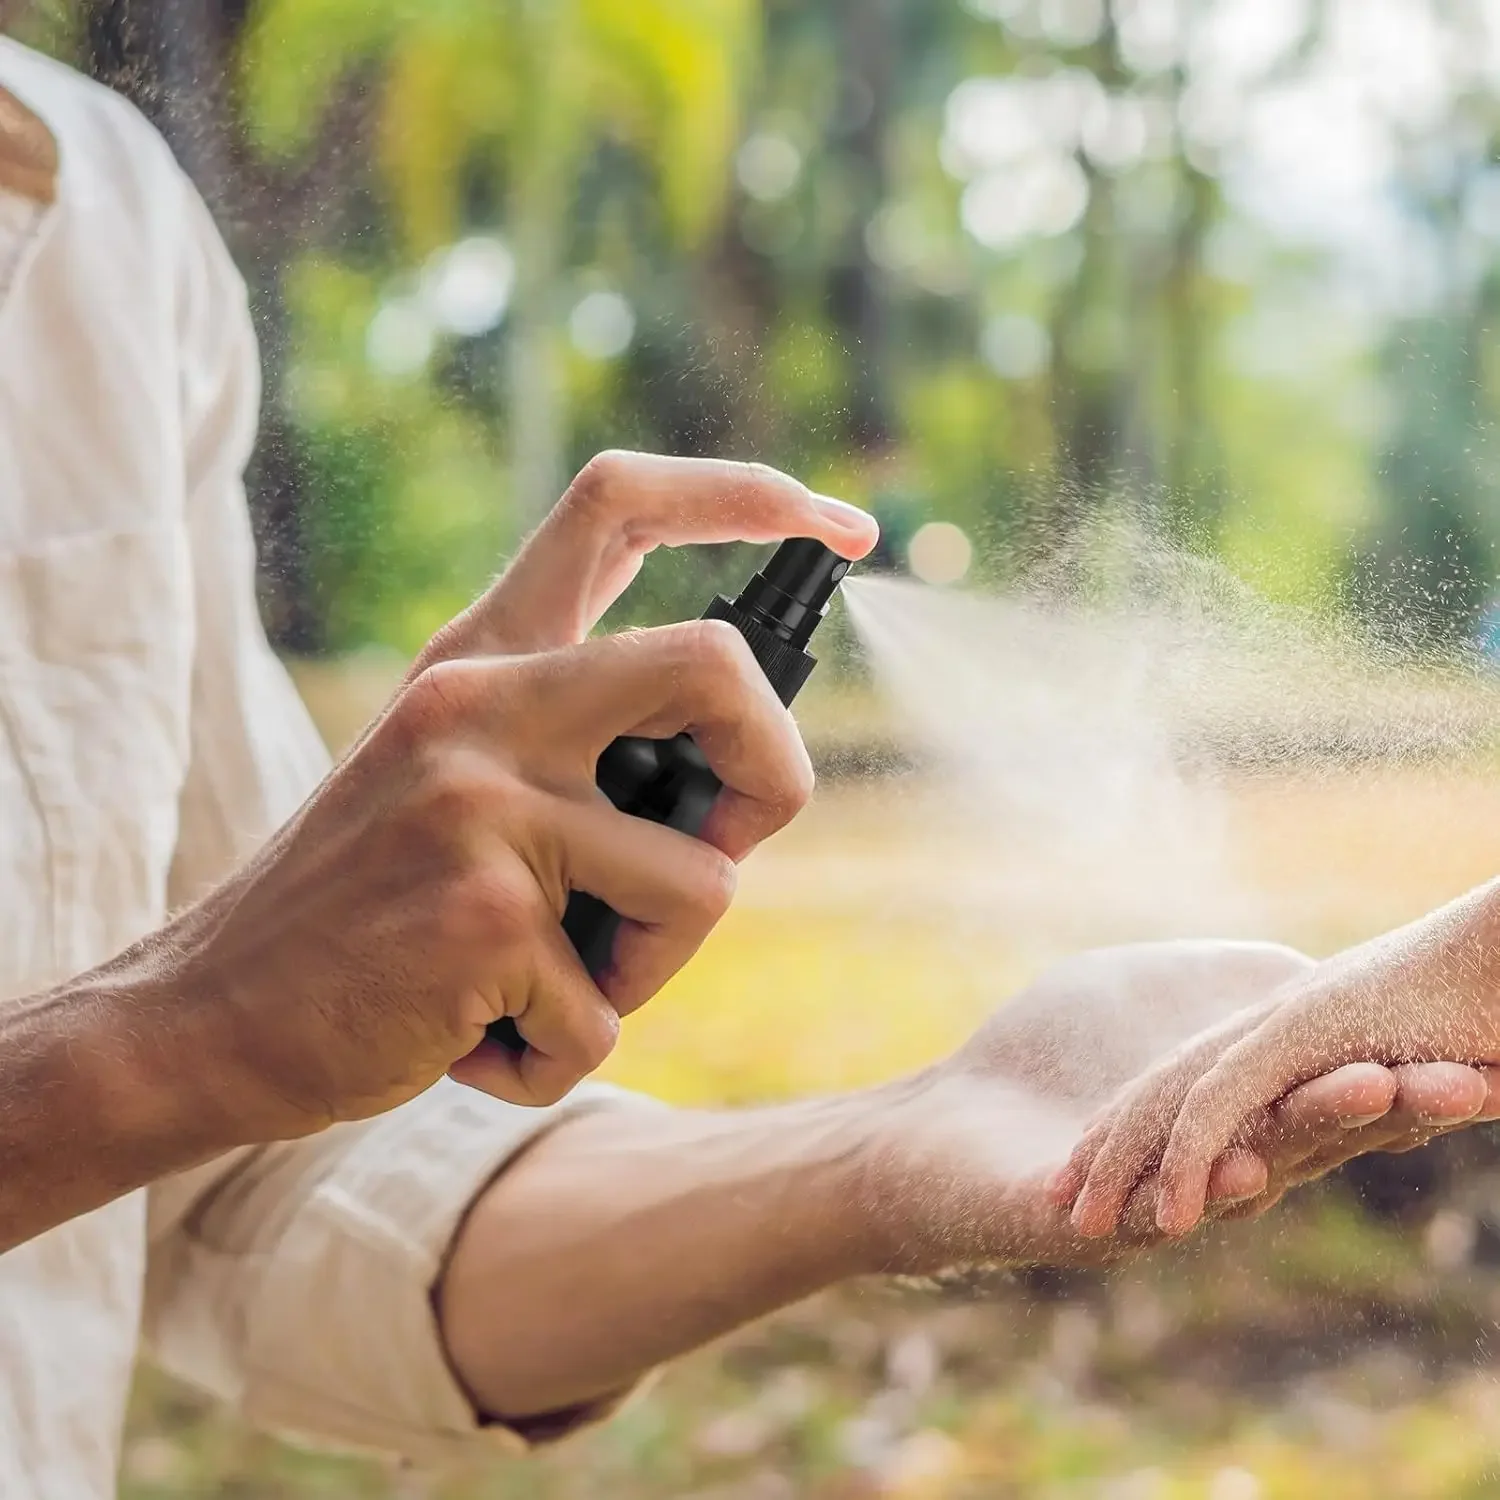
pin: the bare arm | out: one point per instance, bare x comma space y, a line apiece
623, 1239
102, 1090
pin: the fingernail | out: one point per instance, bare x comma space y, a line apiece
1358, 1122
841, 513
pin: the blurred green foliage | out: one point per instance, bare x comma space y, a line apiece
991, 262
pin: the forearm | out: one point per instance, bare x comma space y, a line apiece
105, 1086
1451, 957
625, 1238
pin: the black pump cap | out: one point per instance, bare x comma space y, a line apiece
791, 593
778, 610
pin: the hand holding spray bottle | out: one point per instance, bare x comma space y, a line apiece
669, 781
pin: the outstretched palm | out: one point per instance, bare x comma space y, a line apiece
977, 1138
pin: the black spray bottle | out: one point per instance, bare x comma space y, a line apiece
668, 781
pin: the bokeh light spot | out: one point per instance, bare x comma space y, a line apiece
602, 325
940, 553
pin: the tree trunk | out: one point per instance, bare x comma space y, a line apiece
856, 302
1089, 392
543, 169
535, 377
174, 59
1190, 467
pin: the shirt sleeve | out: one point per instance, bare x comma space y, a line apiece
295, 1281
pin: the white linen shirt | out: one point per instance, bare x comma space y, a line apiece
148, 739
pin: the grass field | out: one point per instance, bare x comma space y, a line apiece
1323, 1354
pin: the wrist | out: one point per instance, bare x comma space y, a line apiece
160, 1056
860, 1181
103, 1090
958, 1176
907, 1193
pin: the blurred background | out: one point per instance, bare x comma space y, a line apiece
989, 266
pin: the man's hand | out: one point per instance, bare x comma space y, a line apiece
417, 896
974, 1146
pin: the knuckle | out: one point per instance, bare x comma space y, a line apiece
718, 653
764, 477
1195, 1118
462, 787
497, 903
787, 790
445, 643
714, 885
598, 483
802, 781
440, 696
451, 790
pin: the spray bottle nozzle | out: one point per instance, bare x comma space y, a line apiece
778, 610
794, 587
791, 593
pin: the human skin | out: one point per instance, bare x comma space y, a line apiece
1430, 990
627, 1237
417, 895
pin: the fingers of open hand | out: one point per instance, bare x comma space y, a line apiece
1248, 1078
1435, 1096
1428, 1100
1127, 1141
1319, 1114
1238, 1177
1065, 1184
1355, 1110
1104, 1177
1275, 1144
621, 507
1131, 1144
1313, 1120
1115, 1155
1127, 1138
